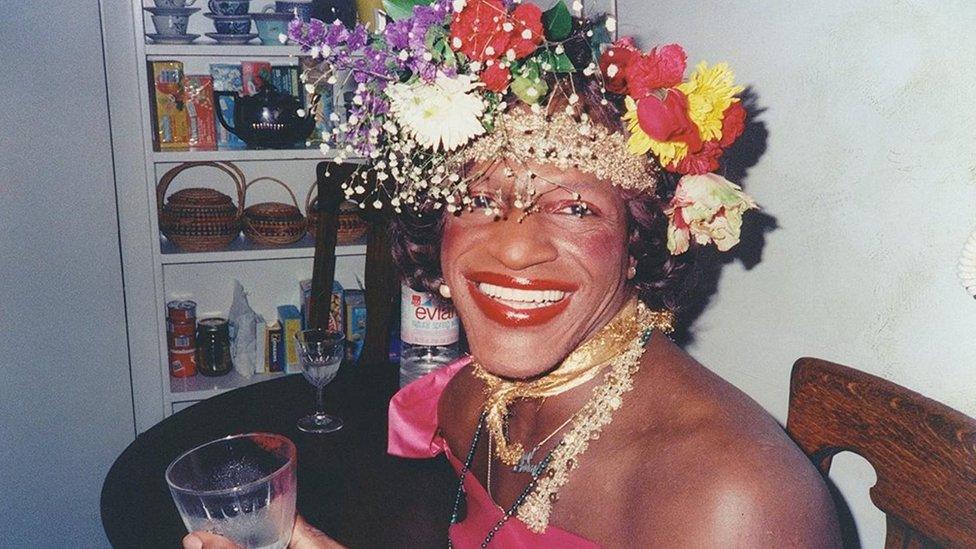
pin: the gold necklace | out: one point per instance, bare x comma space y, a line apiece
597, 413
582, 365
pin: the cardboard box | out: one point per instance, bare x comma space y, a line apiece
336, 309
276, 349
200, 109
355, 301
261, 347
254, 76
169, 106
285, 79
226, 77
291, 324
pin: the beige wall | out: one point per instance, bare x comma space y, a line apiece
868, 171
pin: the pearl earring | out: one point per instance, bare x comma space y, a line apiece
631, 273
445, 291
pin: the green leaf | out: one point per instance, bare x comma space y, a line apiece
402, 9
558, 22
530, 90
558, 62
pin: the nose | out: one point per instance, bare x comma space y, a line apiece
520, 245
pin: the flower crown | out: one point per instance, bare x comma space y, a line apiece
446, 82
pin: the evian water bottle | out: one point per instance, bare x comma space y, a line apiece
429, 330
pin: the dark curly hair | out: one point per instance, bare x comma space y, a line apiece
663, 280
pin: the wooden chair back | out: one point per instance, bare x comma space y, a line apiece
924, 453
381, 281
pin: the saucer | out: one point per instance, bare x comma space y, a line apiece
172, 11
171, 38
216, 17
233, 39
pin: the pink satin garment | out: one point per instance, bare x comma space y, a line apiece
414, 434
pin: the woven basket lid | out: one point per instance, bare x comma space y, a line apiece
274, 211
199, 198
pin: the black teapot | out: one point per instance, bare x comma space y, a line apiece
268, 119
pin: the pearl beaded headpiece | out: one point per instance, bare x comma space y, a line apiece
565, 141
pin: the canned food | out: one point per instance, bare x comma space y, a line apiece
181, 310
181, 339
182, 363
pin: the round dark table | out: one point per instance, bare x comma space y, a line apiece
347, 484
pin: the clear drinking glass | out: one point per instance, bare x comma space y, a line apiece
321, 353
241, 487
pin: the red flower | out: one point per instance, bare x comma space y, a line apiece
662, 68
667, 119
700, 162
614, 64
478, 31
527, 22
496, 77
733, 124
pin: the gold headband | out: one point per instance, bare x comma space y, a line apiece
566, 142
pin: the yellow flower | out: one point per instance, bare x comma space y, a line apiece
710, 91
640, 143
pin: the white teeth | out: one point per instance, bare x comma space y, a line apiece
523, 299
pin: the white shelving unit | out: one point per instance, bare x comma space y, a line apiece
155, 271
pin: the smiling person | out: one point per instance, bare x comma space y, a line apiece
553, 187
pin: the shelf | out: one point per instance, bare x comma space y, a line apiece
244, 250
237, 155
198, 387
203, 48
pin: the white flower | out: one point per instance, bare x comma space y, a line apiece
458, 5
611, 24
443, 114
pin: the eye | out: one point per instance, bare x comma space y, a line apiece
482, 202
578, 209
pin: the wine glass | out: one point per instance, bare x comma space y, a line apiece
321, 353
241, 487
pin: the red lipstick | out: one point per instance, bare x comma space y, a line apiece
510, 316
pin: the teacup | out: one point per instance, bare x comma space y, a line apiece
173, 3
296, 8
232, 24
229, 7
271, 25
170, 25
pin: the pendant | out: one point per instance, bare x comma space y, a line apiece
524, 464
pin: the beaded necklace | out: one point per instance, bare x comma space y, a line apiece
515, 505
535, 505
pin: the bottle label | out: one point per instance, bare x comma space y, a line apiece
426, 321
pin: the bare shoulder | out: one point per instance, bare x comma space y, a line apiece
710, 467
459, 409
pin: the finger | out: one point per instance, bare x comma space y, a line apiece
306, 536
206, 540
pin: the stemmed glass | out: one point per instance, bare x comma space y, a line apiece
321, 353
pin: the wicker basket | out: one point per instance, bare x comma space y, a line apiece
352, 226
273, 223
199, 219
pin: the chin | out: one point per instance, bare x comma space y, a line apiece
515, 356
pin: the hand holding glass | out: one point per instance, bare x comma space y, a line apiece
321, 353
241, 487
